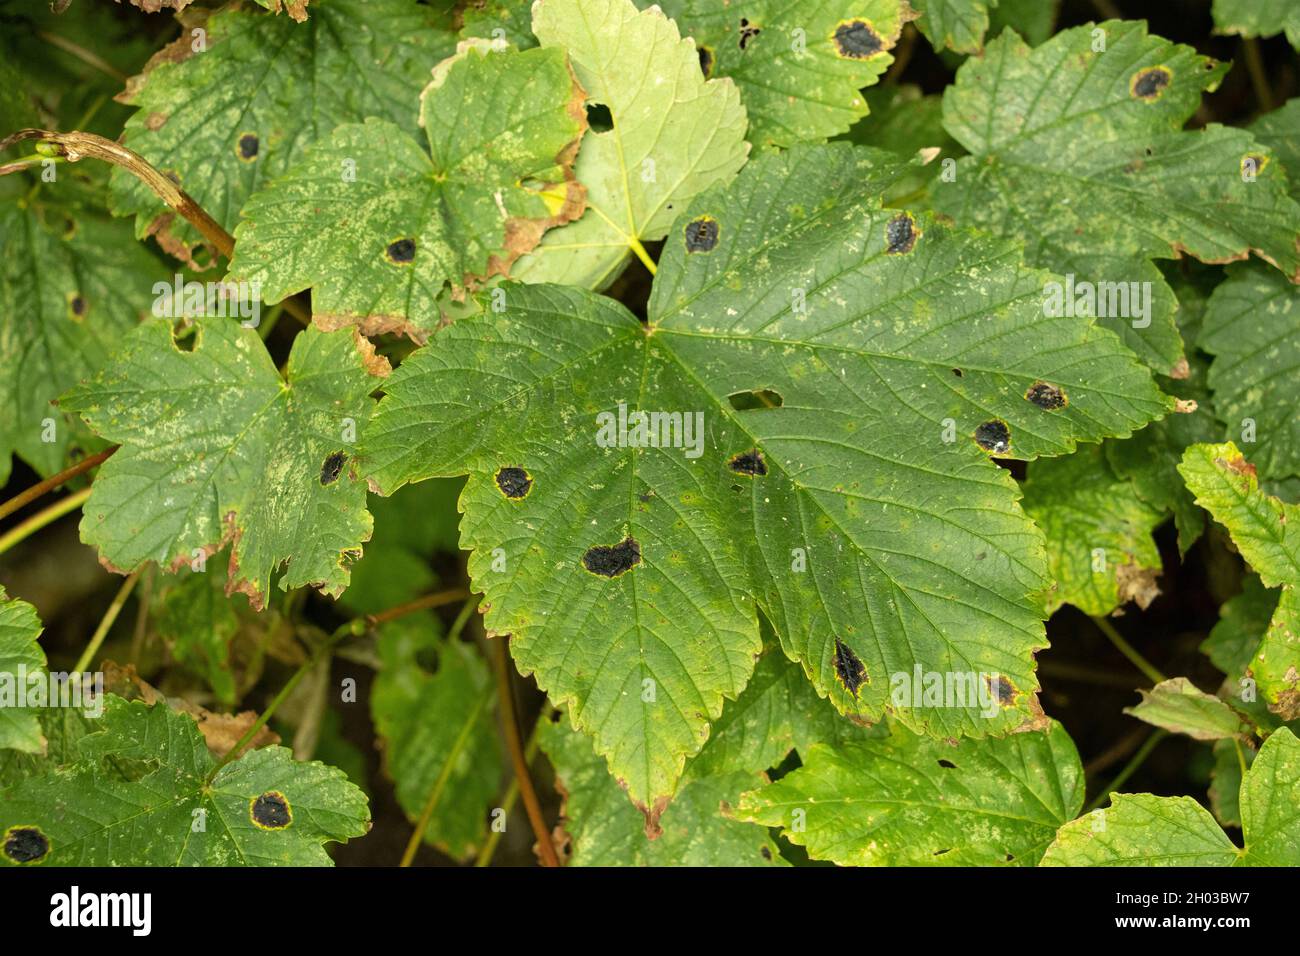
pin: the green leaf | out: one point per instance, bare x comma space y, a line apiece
603, 829
905, 121
1032, 19
240, 113
1258, 18
907, 800
140, 795
1264, 531
800, 66
956, 24
72, 284
514, 18
217, 446
1252, 328
1099, 546
438, 732
376, 226
1279, 130
21, 658
1177, 706
627, 574
1225, 782
1243, 619
1081, 154
673, 135
1144, 830
198, 622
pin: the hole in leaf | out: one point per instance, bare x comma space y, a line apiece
706, 60
947, 764
599, 118
611, 561
270, 811
755, 398
958, 372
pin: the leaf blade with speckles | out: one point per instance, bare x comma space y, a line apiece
21, 657
1258, 18
138, 795
216, 445
1062, 136
904, 553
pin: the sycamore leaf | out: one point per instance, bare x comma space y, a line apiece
198, 622
1080, 152
1145, 830
1225, 780
906, 800
673, 134
598, 827
956, 24
903, 120
438, 732
72, 283
376, 225
1264, 530
1099, 546
501, 21
218, 447
862, 515
228, 119
1279, 130
800, 66
1243, 619
1258, 18
144, 793
1177, 706
21, 658
1252, 328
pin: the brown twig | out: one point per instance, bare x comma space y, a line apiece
437, 599
514, 742
22, 499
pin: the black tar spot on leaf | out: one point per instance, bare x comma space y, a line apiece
749, 463
331, 468
599, 118
706, 60
993, 436
767, 854
610, 562
25, 844
1148, 84
747, 32
1046, 396
900, 235
402, 251
77, 304
271, 811
514, 482
248, 146
755, 398
856, 40
849, 668
1003, 688
702, 234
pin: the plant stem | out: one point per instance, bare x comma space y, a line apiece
1129, 769
437, 599
510, 723
1258, 78
84, 55
508, 801
1127, 649
49, 484
39, 520
114, 609
1108, 9
641, 254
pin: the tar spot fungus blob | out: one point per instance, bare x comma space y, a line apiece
750, 463
270, 811
994, 436
1148, 84
900, 235
855, 40
332, 467
702, 234
247, 147
401, 251
1046, 396
514, 482
706, 61
747, 32
1002, 689
610, 562
26, 844
849, 668
76, 305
